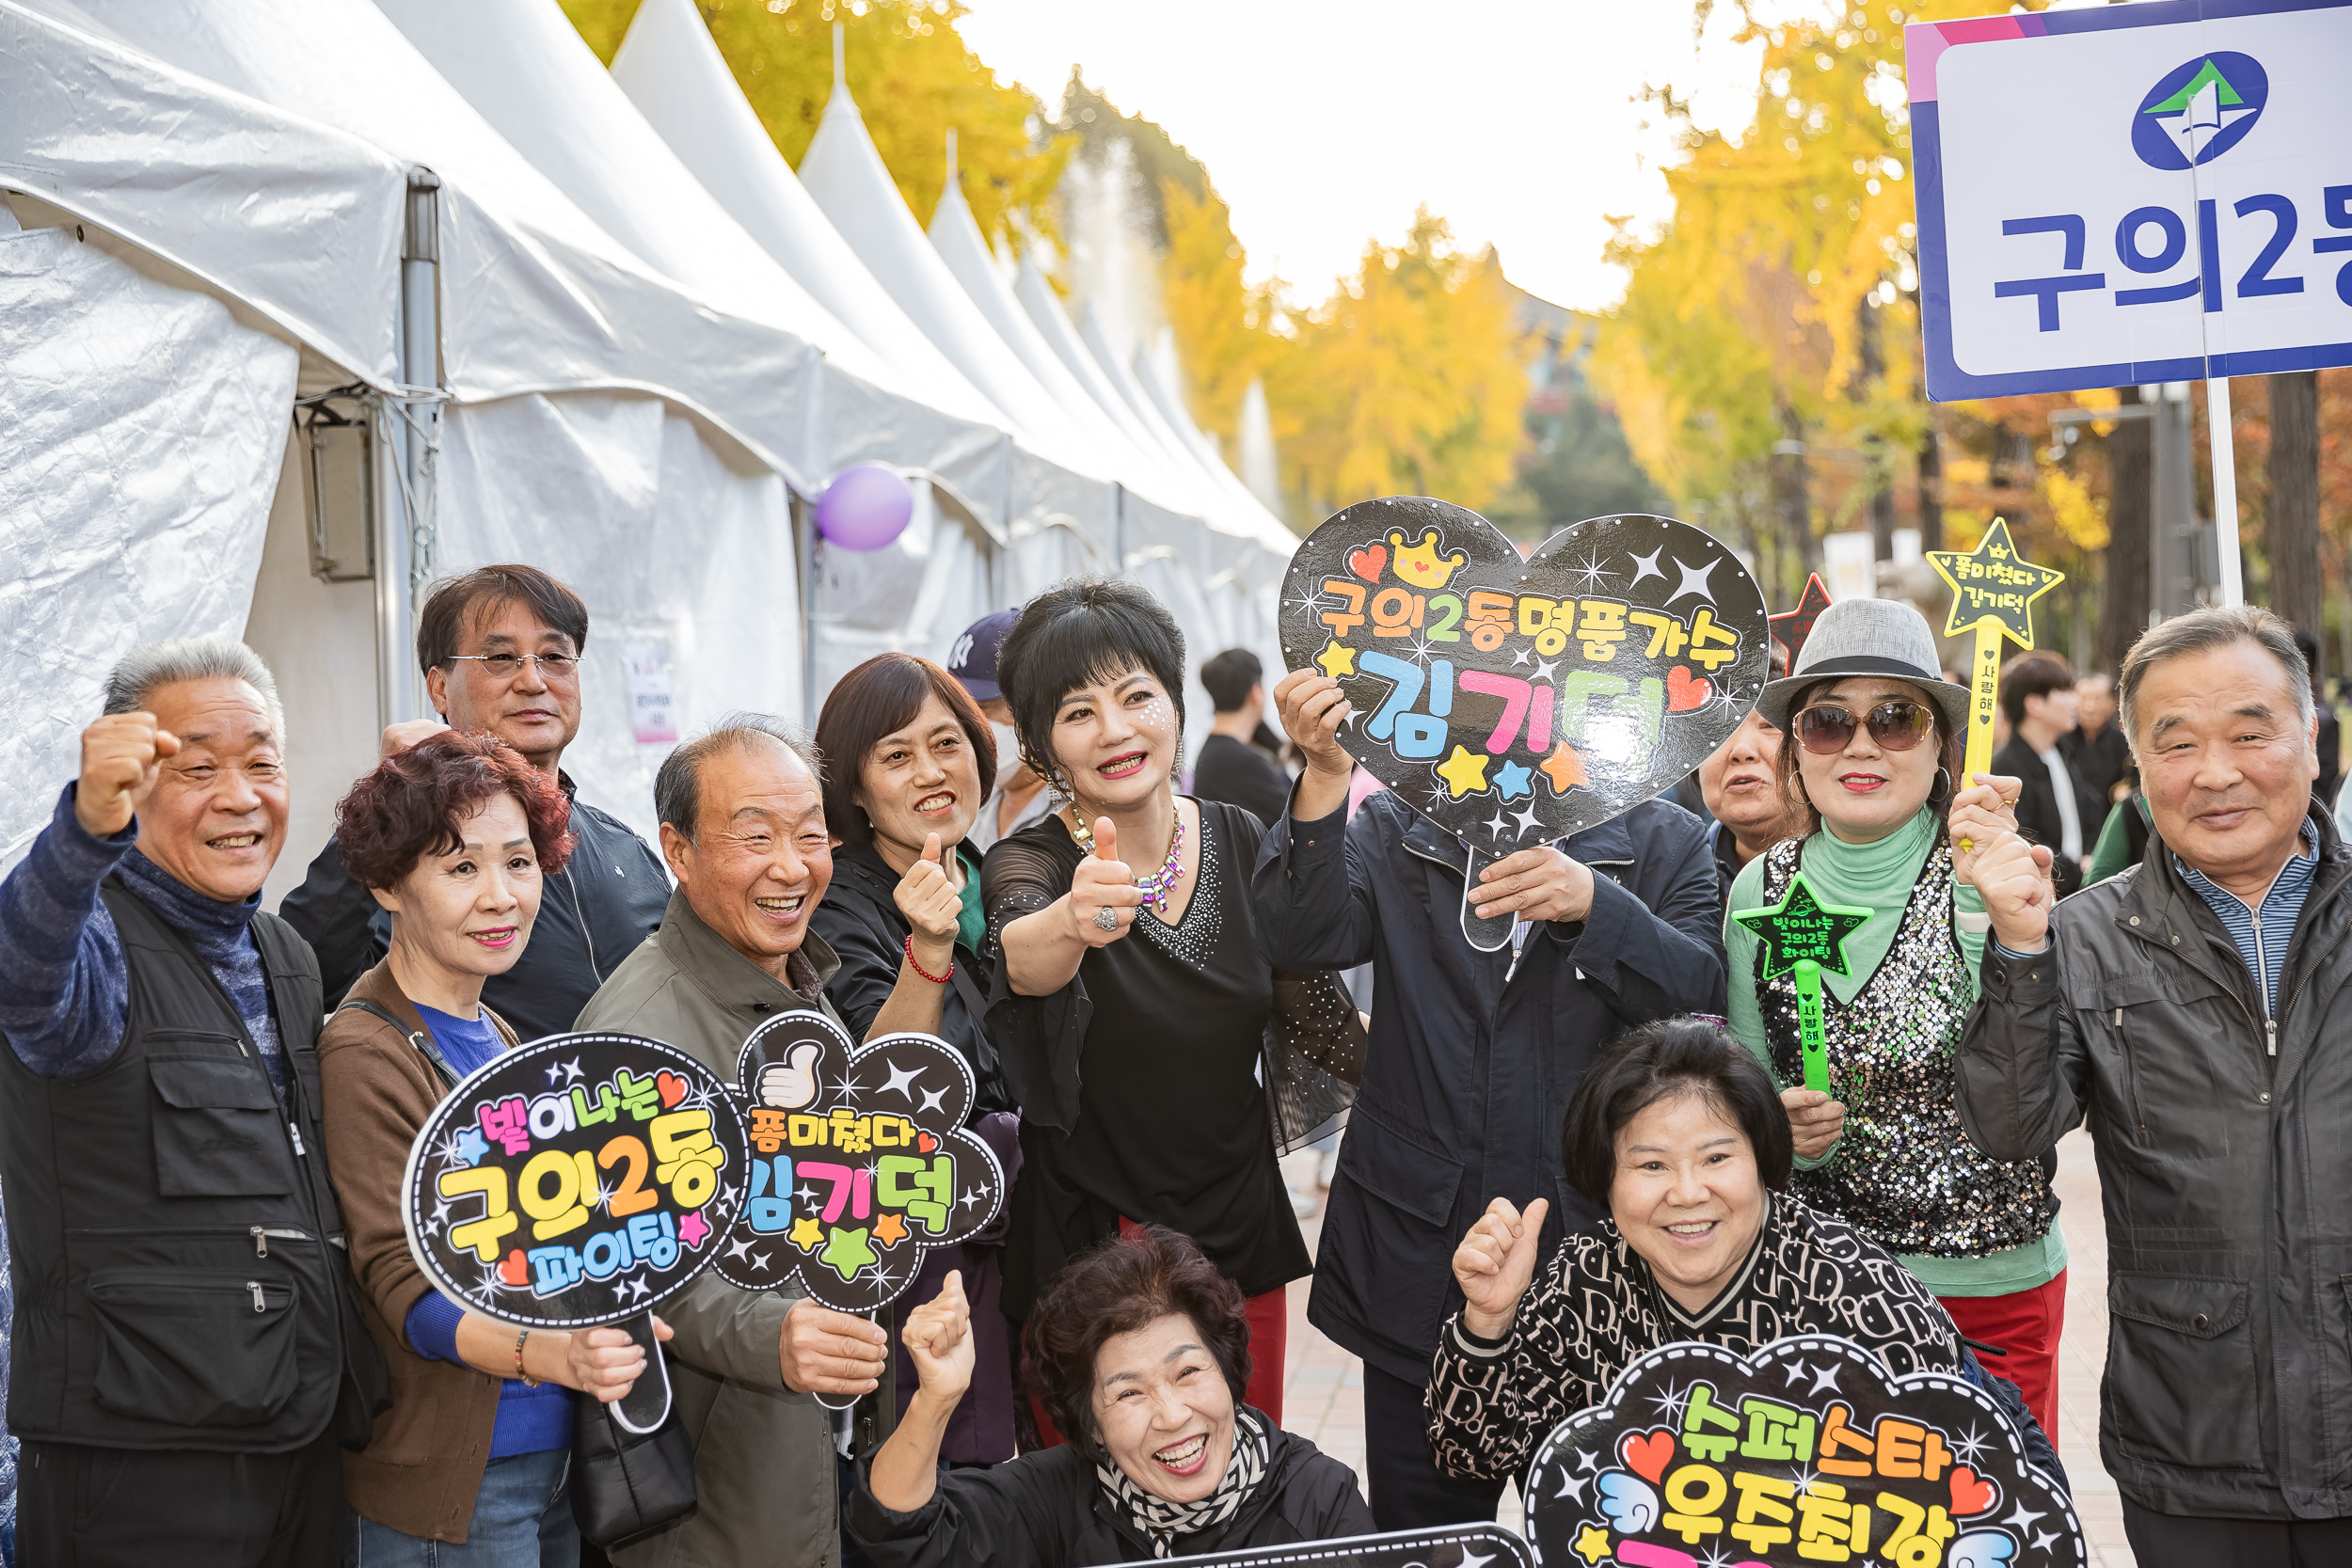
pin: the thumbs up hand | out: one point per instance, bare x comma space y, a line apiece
791, 1084
1104, 884
1496, 1264
932, 906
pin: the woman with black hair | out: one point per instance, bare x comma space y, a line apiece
1131, 1003
1678, 1130
1140, 1351
909, 762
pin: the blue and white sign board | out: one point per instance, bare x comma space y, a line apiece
2119, 195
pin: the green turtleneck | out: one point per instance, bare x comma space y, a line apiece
1879, 877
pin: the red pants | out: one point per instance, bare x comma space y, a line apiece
2025, 1323
1269, 1345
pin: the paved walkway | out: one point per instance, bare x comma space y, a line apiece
1323, 1397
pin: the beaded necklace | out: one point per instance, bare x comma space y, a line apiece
1157, 885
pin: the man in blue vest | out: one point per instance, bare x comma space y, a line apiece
184, 1358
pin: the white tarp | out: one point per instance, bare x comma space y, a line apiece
534, 296
672, 72
845, 174
144, 431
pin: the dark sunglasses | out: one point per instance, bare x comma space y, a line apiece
1897, 726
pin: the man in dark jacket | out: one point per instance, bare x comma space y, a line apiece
1232, 768
1473, 1055
2195, 1011
2055, 807
185, 1354
500, 648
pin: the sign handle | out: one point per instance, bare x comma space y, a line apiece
849, 1402
1984, 697
2217, 436
1811, 1037
646, 1405
1488, 936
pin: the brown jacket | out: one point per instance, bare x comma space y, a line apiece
419, 1472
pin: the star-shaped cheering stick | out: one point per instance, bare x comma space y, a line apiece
1790, 627
1994, 589
1803, 935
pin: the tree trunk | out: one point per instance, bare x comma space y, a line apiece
2131, 508
1792, 492
2291, 529
1930, 485
1869, 370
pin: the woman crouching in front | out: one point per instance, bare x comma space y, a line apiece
1678, 1130
1140, 1351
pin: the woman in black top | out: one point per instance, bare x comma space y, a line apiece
1131, 1003
1140, 1349
908, 763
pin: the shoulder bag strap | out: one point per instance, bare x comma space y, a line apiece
422, 1039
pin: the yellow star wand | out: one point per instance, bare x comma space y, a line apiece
1994, 589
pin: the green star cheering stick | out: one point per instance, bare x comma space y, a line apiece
1805, 935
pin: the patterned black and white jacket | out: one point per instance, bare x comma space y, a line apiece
1597, 1308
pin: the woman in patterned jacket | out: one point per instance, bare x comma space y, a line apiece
1678, 1130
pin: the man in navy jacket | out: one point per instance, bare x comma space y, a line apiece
1473, 1055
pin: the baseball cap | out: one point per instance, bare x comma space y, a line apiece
973, 659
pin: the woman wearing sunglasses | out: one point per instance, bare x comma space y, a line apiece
1869, 767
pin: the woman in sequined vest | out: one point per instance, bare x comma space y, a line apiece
1876, 736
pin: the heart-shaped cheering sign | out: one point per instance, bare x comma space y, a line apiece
1514, 701
859, 1162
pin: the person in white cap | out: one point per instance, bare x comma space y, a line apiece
1873, 751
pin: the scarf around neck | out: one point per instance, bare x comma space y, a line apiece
1161, 1521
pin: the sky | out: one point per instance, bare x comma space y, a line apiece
1324, 126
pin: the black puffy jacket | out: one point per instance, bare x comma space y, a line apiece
2224, 1171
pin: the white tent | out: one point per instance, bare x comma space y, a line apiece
629, 369
600, 415
671, 70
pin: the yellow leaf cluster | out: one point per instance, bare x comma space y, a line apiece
2066, 501
1780, 297
1408, 380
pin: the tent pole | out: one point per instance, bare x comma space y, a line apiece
404, 527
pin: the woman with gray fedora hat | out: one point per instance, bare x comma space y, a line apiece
1870, 770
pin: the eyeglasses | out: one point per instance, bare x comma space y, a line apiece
505, 667
1896, 725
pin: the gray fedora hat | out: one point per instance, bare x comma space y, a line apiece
1868, 637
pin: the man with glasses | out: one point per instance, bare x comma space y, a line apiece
500, 648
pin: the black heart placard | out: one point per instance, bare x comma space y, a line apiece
1517, 701
1806, 1452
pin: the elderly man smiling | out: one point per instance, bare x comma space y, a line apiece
742, 815
185, 1356
2194, 1009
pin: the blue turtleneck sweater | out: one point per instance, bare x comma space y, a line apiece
65, 994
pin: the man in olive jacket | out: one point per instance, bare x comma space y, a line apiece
743, 831
2194, 1011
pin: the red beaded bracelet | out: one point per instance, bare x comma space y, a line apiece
916, 964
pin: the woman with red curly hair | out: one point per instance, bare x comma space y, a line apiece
451, 836
1139, 1349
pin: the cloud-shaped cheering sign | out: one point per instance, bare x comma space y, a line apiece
1514, 702
1805, 1452
581, 1179
859, 1162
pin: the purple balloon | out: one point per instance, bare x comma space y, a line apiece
866, 507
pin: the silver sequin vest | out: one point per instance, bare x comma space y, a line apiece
1905, 1173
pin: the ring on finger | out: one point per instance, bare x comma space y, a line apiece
1107, 919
